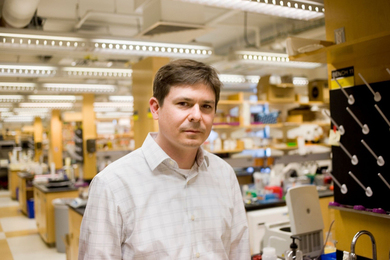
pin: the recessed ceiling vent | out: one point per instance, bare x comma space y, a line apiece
172, 21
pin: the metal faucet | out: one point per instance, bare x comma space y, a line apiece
352, 255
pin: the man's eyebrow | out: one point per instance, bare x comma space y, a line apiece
191, 99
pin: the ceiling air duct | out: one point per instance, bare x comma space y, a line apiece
18, 13
172, 21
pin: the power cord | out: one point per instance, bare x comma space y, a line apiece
326, 240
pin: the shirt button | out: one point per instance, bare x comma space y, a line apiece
197, 255
171, 163
192, 217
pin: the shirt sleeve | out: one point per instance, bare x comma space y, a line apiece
239, 247
101, 227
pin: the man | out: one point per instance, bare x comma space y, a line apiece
169, 199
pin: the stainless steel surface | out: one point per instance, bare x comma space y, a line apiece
352, 255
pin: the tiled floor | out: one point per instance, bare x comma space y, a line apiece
19, 238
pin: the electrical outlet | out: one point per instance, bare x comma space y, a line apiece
345, 255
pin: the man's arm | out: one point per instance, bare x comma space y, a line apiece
239, 247
101, 227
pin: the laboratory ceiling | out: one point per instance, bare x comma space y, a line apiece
220, 28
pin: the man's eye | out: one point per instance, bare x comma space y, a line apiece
207, 106
183, 104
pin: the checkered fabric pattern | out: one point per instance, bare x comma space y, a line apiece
142, 207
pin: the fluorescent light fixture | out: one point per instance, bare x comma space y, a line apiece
272, 59
35, 42
113, 115
121, 98
112, 104
28, 40
19, 119
11, 98
8, 105
31, 113
6, 114
17, 86
27, 71
151, 48
57, 105
288, 9
97, 72
105, 109
4, 109
228, 78
35, 110
82, 88
300, 81
53, 98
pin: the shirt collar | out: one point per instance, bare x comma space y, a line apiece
154, 155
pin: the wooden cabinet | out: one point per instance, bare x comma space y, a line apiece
13, 182
25, 191
75, 219
44, 211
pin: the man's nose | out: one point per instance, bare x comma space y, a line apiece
195, 114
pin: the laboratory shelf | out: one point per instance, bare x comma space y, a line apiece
360, 212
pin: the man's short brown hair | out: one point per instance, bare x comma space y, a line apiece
185, 72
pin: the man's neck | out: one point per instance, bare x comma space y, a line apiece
184, 157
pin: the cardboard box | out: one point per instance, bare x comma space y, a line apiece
318, 90
281, 93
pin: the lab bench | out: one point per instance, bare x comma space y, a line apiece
44, 209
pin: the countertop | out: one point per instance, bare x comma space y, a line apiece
44, 189
79, 210
280, 202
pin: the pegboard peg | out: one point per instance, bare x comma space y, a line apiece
377, 95
354, 159
364, 127
343, 188
341, 127
383, 179
383, 115
379, 159
350, 98
367, 190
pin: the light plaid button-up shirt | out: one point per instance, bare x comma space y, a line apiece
141, 207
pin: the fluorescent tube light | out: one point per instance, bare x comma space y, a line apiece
82, 88
4, 109
228, 78
47, 105
27, 71
11, 98
105, 109
288, 9
112, 104
121, 98
33, 42
53, 98
113, 115
300, 81
151, 48
35, 110
97, 72
17, 86
274, 59
19, 119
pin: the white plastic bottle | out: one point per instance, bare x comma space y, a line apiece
269, 253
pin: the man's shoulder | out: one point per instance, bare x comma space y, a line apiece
130, 160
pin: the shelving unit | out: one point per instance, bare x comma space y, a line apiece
242, 120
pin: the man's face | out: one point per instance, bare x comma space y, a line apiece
186, 117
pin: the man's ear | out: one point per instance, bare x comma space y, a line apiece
154, 107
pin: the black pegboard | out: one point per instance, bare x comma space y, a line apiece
378, 139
